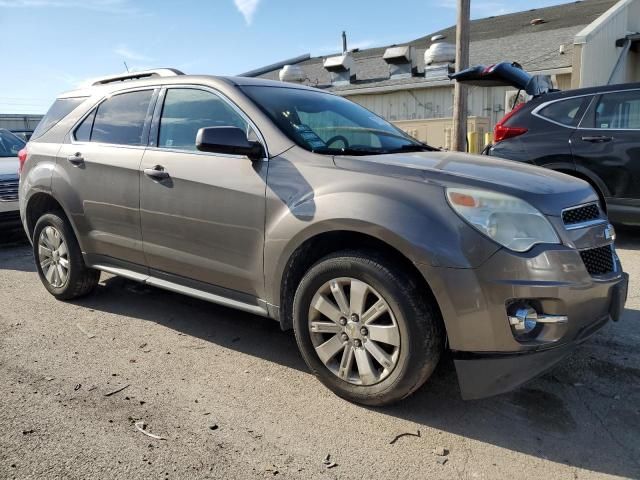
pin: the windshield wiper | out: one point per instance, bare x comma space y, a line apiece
414, 147
349, 151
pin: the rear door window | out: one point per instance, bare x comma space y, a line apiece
564, 112
60, 109
120, 119
619, 110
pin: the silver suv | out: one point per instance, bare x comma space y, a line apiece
295, 204
10, 147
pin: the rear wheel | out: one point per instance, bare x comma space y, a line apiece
59, 260
365, 329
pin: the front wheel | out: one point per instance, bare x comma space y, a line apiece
59, 260
365, 329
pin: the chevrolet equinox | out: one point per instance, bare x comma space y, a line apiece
285, 201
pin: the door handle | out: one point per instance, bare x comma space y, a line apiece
157, 173
75, 159
597, 139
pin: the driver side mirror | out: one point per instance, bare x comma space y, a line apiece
229, 140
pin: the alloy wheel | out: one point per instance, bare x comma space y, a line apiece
53, 256
354, 331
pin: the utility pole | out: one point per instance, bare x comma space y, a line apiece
459, 140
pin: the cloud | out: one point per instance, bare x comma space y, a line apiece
128, 54
106, 6
247, 8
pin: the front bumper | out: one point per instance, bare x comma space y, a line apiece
488, 357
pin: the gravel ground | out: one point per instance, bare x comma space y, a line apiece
232, 398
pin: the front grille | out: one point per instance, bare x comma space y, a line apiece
9, 190
599, 261
582, 214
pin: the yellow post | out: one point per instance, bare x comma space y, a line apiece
472, 138
488, 138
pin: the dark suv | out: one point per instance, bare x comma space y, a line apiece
590, 133
299, 205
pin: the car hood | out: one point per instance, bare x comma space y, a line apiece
9, 166
545, 189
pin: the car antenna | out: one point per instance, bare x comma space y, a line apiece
125, 65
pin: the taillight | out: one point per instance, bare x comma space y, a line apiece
22, 156
502, 132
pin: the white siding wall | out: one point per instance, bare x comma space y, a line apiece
599, 53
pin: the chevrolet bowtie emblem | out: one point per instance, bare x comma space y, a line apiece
609, 232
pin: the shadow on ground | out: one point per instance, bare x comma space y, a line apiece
584, 413
16, 251
12, 237
572, 415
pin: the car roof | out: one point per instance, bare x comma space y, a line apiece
211, 80
589, 91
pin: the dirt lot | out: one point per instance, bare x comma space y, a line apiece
233, 399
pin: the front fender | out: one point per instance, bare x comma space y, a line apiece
412, 217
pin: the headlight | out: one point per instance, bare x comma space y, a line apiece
508, 220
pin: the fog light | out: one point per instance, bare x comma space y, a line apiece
525, 319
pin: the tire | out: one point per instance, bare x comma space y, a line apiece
62, 272
407, 317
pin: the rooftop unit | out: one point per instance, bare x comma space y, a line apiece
402, 61
292, 73
341, 68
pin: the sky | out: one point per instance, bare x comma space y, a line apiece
51, 46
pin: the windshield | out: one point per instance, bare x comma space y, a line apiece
328, 124
10, 145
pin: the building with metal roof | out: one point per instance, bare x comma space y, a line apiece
585, 43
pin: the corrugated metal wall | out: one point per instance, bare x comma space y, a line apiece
19, 122
599, 53
435, 102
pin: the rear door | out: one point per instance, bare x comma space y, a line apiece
203, 220
101, 181
608, 144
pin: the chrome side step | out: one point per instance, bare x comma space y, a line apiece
191, 292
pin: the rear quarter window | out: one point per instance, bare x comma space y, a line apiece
60, 109
564, 112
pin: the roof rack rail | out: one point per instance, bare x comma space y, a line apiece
122, 77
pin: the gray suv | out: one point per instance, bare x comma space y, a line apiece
380, 252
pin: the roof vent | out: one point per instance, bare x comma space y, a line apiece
401, 61
435, 38
341, 69
537, 21
292, 73
442, 52
439, 71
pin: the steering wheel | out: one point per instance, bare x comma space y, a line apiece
336, 138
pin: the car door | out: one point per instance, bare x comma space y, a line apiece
100, 180
203, 216
608, 144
